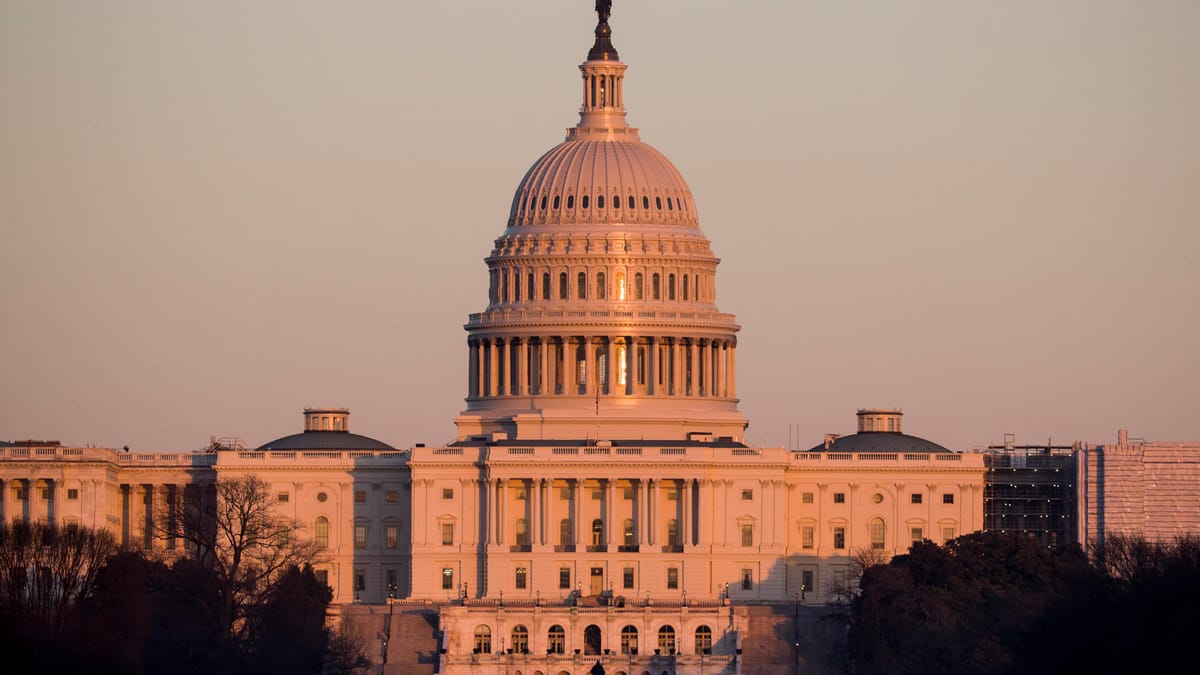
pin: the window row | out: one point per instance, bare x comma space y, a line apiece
517, 286
21, 493
391, 534
593, 642
877, 531
547, 202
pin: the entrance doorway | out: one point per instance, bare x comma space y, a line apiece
596, 587
591, 639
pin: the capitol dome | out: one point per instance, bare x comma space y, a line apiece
602, 320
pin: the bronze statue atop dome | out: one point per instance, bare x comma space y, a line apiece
604, 9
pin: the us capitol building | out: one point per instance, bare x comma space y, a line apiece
600, 503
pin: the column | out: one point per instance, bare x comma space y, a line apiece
631, 364
535, 516
551, 526
646, 536
493, 359
720, 388
577, 529
547, 366
685, 527
590, 381
610, 364
651, 366
521, 386
609, 513
706, 502
472, 368
732, 369
676, 367
501, 509
570, 383
694, 358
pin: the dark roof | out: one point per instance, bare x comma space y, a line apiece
326, 440
881, 441
717, 442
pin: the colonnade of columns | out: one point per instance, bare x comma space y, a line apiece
596, 514
605, 365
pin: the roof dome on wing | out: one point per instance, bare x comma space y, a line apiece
589, 179
879, 430
326, 429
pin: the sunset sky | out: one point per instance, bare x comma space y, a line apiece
214, 214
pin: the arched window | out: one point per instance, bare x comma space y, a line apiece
545, 285
592, 642
564, 532
522, 527
616, 201
685, 287
658, 203
483, 640
504, 286
321, 532
629, 532
631, 204
877, 532
620, 286
601, 285
516, 287
543, 202
530, 289
581, 284
562, 285
599, 201
597, 532
556, 640
668, 203
656, 287
629, 635
670, 286
556, 198
703, 640
520, 640
646, 203
570, 201
585, 201
638, 290
666, 640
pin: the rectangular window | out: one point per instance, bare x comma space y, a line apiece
948, 498
392, 536
806, 580
72, 494
917, 497
627, 578
747, 495
839, 498
522, 577
360, 536
747, 579
447, 534
282, 497
806, 498
447, 493
839, 537
392, 497
323, 577
360, 580
747, 534
918, 535
806, 537
360, 496
564, 577
391, 581
947, 533
448, 578
20, 494
672, 577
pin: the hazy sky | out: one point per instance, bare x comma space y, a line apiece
216, 213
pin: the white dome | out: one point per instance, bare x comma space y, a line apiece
599, 180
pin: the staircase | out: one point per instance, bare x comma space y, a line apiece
768, 648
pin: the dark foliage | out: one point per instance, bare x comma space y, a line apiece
1000, 604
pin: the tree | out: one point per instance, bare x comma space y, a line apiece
46, 571
241, 550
